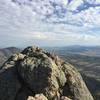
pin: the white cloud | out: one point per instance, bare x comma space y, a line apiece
73, 5
27, 23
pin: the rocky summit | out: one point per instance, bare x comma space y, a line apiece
35, 74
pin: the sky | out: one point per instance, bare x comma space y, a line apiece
49, 22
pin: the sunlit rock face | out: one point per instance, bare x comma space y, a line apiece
36, 74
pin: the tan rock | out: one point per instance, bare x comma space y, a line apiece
65, 98
40, 97
30, 98
37, 97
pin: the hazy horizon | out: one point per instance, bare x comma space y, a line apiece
67, 46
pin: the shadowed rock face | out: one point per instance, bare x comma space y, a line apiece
34, 71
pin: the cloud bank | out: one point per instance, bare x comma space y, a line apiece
49, 22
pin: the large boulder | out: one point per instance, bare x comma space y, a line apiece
41, 73
35, 71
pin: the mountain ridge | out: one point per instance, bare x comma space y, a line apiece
35, 71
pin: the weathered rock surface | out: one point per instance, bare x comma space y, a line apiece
34, 71
37, 97
65, 98
9, 83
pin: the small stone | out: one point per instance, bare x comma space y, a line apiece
40, 97
65, 98
37, 97
30, 98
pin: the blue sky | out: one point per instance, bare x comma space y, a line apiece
49, 22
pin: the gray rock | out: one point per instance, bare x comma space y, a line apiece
35, 71
41, 74
9, 83
48, 74
75, 84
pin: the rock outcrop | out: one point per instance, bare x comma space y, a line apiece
5, 53
35, 74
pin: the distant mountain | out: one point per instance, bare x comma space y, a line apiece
93, 51
5, 53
